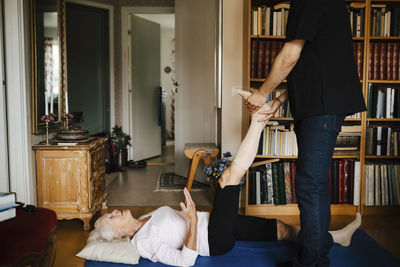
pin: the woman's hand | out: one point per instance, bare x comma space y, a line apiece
255, 101
274, 104
190, 208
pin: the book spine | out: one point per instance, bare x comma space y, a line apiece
267, 61
288, 190
395, 61
335, 182
370, 61
359, 50
376, 65
270, 190
341, 180
260, 59
275, 182
357, 180
379, 141
281, 183
292, 181
253, 69
389, 63
258, 188
383, 64
346, 178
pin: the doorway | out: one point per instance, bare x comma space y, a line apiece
195, 88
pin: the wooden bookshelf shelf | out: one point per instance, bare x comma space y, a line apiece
281, 119
292, 209
262, 80
381, 210
384, 38
335, 156
383, 120
381, 157
358, 38
353, 119
384, 81
268, 37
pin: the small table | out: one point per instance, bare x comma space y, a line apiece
195, 152
71, 179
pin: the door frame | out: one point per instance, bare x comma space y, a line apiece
126, 69
110, 10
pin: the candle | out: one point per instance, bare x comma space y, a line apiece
66, 102
46, 103
51, 102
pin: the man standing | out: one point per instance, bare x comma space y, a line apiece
323, 87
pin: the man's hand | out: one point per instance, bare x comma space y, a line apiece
255, 101
274, 104
190, 208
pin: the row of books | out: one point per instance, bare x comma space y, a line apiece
385, 22
263, 54
284, 110
269, 20
274, 183
382, 141
358, 56
383, 102
382, 183
384, 61
357, 18
7, 206
277, 140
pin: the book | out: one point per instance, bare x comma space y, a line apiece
346, 181
260, 59
377, 189
258, 188
288, 190
275, 183
7, 214
270, 192
292, 181
253, 68
335, 182
7, 200
357, 180
341, 181
281, 183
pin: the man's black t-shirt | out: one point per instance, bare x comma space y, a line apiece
325, 78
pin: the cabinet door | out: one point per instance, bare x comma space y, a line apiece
62, 180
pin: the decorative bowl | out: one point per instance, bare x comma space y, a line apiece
72, 134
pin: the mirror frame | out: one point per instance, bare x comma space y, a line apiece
37, 126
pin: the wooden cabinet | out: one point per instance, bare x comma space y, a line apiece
71, 179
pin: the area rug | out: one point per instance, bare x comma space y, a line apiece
169, 181
363, 252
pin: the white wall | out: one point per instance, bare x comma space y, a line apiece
167, 36
232, 52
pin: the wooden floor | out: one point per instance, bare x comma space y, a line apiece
71, 237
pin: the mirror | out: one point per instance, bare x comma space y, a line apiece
48, 62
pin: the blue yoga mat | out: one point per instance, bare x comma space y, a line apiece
363, 252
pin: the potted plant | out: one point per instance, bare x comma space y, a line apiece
214, 170
121, 141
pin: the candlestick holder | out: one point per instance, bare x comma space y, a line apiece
46, 119
47, 133
67, 121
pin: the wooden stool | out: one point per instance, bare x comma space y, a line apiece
195, 152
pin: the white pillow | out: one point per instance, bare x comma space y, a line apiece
112, 251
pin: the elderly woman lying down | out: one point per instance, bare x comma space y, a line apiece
177, 237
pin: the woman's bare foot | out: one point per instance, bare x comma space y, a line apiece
343, 236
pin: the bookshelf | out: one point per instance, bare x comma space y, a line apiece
250, 80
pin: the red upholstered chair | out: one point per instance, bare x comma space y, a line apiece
29, 238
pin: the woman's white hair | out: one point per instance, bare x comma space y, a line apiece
101, 231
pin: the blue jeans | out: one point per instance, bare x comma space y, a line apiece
316, 139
